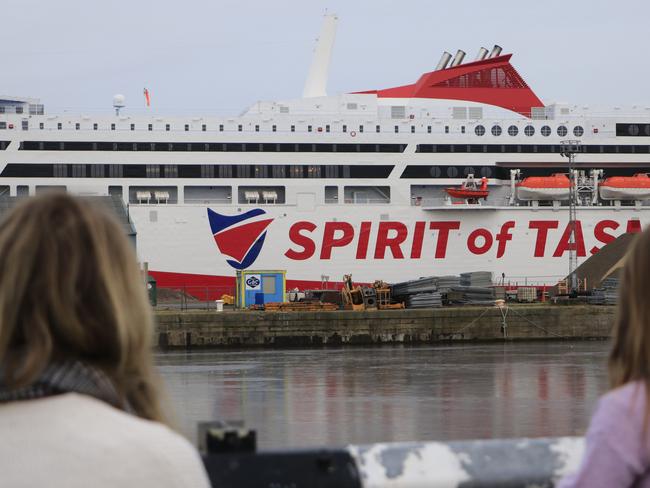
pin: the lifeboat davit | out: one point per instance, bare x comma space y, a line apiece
635, 187
554, 187
470, 190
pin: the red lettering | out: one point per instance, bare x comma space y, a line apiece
330, 242
565, 243
364, 237
307, 244
601, 235
633, 226
443, 229
504, 236
383, 241
418, 237
487, 241
542, 227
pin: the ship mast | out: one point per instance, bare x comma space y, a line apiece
316, 84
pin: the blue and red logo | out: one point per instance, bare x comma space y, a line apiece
239, 237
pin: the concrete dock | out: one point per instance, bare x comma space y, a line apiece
282, 329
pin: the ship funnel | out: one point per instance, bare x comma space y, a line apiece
444, 61
460, 55
496, 50
482, 54
316, 83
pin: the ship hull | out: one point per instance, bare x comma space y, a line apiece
371, 242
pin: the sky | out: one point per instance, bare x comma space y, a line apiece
221, 56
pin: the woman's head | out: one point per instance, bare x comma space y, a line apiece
70, 289
630, 355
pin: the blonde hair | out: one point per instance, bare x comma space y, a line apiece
629, 359
70, 289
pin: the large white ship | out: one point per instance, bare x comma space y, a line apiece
352, 183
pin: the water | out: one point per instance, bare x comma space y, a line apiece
355, 395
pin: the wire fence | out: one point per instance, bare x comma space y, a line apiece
192, 297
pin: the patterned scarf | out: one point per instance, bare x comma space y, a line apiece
66, 377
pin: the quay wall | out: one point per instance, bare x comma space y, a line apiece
188, 329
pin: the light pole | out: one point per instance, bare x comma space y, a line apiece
569, 149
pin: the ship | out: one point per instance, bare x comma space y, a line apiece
355, 183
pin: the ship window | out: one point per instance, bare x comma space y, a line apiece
170, 171
3, 125
486, 172
153, 171
378, 128
462, 129
59, 126
225, 171
95, 127
479, 130
309, 128
204, 127
468, 170
578, 131
274, 128
545, 130
257, 128
412, 129
243, 171
19, 110
112, 126
41, 125
345, 128
327, 128
562, 131
78, 170
361, 128
239, 128
187, 127
529, 130
513, 130
447, 129
220, 127
429, 129
77, 126
132, 126
293, 128
279, 171
313, 171
452, 172
435, 171
295, 171
2, 110
396, 129
97, 170
496, 130
167, 127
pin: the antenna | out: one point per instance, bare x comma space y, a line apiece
119, 102
316, 83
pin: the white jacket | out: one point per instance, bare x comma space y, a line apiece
76, 441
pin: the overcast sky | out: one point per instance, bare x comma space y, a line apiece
218, 56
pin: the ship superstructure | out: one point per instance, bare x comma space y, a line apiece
357, 182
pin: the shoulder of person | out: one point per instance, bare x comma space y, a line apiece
625, 403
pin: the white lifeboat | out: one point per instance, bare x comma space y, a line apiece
554, 187
635, 187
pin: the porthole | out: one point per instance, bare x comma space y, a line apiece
513, 130
486, 171
562, 131
578, 131
435, 171
496, 130
479, 130
529, 130
545, 130
468, 170
452, 172
633, 130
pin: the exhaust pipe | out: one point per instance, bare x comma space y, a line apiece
444, 61
496, 50
460, 55
482, 54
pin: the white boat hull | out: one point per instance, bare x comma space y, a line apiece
613, 193
528, 194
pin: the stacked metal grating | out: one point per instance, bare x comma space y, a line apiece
434, 291
424, 300
607, 294
476, 278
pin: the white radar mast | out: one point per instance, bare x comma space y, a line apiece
316, 83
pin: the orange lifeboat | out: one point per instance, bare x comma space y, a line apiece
635, 187
470, 190
554, 187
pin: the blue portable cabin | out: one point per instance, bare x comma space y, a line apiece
257, 287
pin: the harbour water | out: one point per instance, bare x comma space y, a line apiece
355, 395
